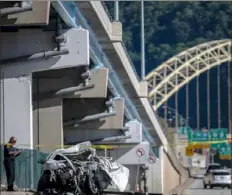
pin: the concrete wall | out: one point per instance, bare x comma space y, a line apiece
134, 177
171, 179
37, 41
154, 177
182, 141
16, 81
127, 155
38, 16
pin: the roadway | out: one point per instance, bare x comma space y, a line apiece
197, 188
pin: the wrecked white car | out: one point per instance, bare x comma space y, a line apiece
78, 170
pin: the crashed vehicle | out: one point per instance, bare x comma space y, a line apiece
78, 170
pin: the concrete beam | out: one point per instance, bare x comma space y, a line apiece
77, 44
78, 109
38, 16
68, 83
143, 89
135, 131
116, 35
108, 31
76, 136
115, 52
99, 78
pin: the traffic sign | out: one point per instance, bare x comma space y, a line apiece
215, 146
140, 152
151, 159
199, 136
184, 130
218, 134
189, 151
225, 151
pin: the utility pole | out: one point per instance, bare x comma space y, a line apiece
212, 154
116, 11
142, 42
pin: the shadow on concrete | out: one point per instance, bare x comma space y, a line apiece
80, 108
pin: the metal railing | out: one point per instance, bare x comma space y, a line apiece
123, 44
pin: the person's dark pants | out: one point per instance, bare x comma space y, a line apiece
10, 173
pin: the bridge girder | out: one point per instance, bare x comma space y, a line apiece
170, 76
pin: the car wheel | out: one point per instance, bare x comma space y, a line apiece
210, 186
205, 186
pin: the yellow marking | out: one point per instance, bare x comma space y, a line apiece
225, 157
104, 146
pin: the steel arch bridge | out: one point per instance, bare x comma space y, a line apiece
170, 76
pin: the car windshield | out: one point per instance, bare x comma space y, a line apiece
214, 167
220, 173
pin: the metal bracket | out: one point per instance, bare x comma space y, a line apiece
75, 122
40, 55
61, 39
110, 112
114, 140
86, 76
110, 105
63, 92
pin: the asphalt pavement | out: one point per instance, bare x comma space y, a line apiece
196, 188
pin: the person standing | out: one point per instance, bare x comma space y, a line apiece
10, 153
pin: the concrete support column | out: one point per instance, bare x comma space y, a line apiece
154, 177
16, 110
48, 124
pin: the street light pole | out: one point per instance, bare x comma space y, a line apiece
142, 42
212, 154
116, 11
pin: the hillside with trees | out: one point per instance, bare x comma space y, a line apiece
171, 27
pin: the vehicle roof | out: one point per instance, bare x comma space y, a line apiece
220, 171
213, 164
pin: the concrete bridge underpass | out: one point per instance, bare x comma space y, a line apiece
66, 78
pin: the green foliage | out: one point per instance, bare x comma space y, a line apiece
171, 27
